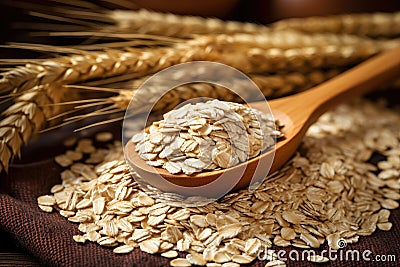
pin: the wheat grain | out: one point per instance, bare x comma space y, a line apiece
287, 39
256, 60
271, 86
89, 65
92, 65
26, 116
375, 24
149, 22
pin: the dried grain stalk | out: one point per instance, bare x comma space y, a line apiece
249, 53
26, 116
149, 22
143, 21
374, 24
255, 60
94, 65
271, 86
286, 39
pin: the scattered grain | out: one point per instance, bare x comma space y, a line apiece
46, 200
123, 249
170, 254
180, 262
302, 205
104, 137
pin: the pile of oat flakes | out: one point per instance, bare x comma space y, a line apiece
206, 136
327, 192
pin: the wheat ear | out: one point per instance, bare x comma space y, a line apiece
94, 65
26, 116
140, 62
374, 25
164, 24
33, 79
255, 60
288, 39
271, 86
41, 83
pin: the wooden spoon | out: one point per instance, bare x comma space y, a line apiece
296, 112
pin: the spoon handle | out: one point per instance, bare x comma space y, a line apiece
374, 72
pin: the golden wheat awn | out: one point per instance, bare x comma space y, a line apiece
26, 116
285, 39
96, 65
374, 25
92, 65
155, 23
271, 86
306, 50
255, 60
149, 22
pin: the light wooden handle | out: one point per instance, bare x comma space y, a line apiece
309, 105
369, 75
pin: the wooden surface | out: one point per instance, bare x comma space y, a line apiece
13, 255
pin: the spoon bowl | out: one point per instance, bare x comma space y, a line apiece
296, 113
246, 170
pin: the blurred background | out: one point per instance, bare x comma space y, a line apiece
14, 14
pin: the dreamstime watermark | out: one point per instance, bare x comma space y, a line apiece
342, 254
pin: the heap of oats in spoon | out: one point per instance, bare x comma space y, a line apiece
207, 136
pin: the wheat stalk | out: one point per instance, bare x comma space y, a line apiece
149, 22
68, 70
271, 86
40, 90
287, 46
26, 116
92, 65
41, 83
253, 60
374, 25
145, 21
78, 68
288, 39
